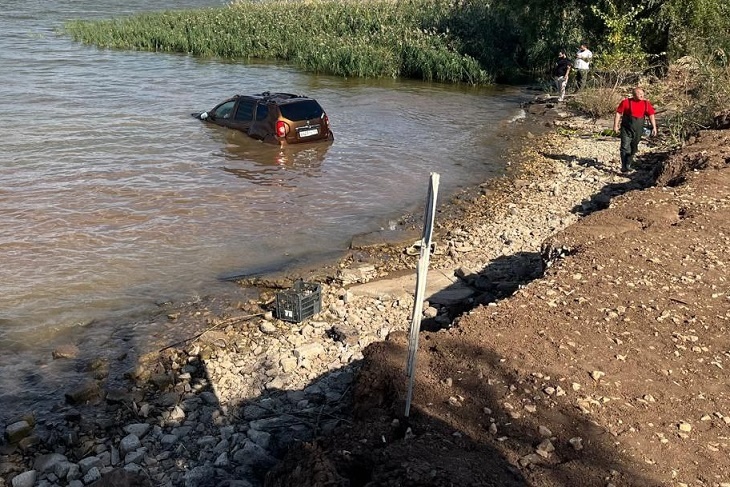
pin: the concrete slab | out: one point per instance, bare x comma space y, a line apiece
385, 237
442, 287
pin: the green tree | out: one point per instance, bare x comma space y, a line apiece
695, 26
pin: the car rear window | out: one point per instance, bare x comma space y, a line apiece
301, 110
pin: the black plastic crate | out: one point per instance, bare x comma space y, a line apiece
302, 301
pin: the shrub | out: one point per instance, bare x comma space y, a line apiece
696, 89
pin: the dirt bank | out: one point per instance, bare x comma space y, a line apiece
609, 369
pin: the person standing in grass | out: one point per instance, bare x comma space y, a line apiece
582, 63
630, 116
561, 71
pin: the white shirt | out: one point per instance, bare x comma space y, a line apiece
582, 58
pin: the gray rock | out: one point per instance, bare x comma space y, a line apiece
47, 463
25, 479
266, 424
136, 456
74, 472
182, 431
294, 396
222, 460
177, 414
430, 312
227, 432
261, 438
65, 351
209, 398
137, 429
267, 328
92, 475
277, 383
161, 381
134, 468
83, 392
253, 411
221, 446
168, 440
254, 456
117, 396
17, 431
340, 381
61, 469
114, 457
201, 476
129, 443
168, 399
344, 333
86, 464
207, 440
309, 351
105, 458
236, 483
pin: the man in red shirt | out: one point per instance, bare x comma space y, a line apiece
630, 115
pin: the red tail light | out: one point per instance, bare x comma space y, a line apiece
326, 120
282, 128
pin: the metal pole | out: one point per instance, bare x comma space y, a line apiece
421, 273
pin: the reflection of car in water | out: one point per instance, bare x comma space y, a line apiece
268, 165
241, 149
276, 118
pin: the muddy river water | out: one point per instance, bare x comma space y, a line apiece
113, 198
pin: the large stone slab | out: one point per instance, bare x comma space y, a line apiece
442, 287
384, 237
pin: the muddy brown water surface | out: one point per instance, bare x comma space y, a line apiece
115, 199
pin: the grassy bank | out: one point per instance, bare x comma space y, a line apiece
378, 38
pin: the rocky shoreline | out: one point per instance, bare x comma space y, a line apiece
224, 407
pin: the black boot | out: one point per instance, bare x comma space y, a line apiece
625, 160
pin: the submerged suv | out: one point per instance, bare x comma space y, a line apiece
276, 118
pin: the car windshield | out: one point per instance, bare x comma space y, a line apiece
301, 110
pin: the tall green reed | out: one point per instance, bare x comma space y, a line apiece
377, 38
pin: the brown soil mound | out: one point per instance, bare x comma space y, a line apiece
608, 370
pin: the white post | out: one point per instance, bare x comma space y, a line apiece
421, 273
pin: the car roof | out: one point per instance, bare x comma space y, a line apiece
278, 97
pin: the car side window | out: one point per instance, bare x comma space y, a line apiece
224, 110
262, 111
245, 110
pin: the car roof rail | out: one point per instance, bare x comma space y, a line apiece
267, 95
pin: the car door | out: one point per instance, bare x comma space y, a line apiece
243, 114
261, 126
221, 114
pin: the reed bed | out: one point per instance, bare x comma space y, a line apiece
371, 39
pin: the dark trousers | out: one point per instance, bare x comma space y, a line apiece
631, 129
581, 76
